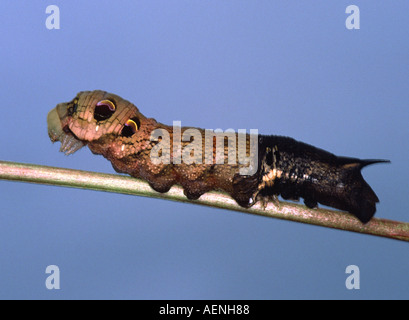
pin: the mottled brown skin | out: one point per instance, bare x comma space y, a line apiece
286, 167
134, 159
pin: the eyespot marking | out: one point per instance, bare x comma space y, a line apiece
131, 127
104, 109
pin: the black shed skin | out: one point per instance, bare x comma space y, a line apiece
316, 175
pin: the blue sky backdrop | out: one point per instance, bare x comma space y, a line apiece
282, 67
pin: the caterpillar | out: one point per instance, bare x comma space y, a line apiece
273, 165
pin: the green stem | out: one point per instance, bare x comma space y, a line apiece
128, 185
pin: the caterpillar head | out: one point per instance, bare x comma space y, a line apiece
97, 118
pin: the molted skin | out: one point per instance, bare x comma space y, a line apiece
284, 165
316, 175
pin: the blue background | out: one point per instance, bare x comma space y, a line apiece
283, 67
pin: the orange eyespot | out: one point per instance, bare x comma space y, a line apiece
131, 126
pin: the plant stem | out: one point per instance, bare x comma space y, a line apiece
128, 185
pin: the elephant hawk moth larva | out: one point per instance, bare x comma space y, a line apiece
114, 128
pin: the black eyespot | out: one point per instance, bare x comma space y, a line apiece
131, 126
73, 107
104, 110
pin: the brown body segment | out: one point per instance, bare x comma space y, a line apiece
132, 155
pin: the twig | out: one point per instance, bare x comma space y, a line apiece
128, 185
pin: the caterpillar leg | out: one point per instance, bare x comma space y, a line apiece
194, 189
311, 203
266, 199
